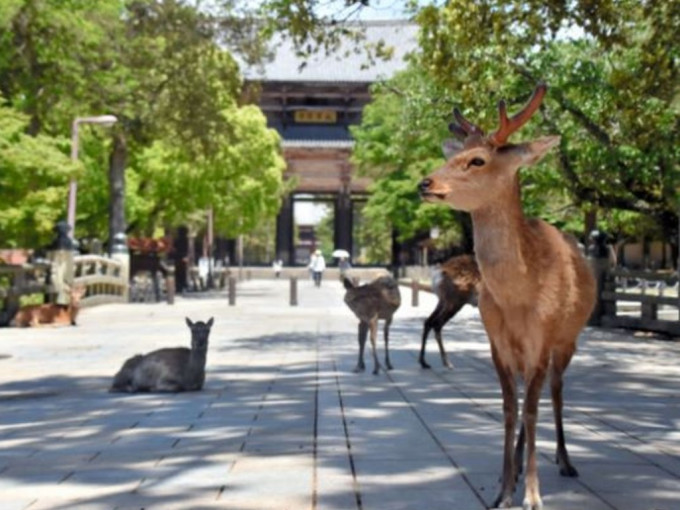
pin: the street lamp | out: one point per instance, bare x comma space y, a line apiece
102, 120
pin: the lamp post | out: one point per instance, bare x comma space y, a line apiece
102, 120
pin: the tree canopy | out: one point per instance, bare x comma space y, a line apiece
34, 172
614, 97
162, 68
614, 92
183, 140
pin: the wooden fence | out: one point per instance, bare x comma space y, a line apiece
641, 300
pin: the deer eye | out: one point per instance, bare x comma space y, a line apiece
476, 162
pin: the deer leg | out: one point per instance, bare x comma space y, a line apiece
363, 331
427, 326
388, 364
374, 333
532, 496
509, 390
519, 450
443, 318
559, 365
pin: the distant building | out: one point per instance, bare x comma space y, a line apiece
312, 104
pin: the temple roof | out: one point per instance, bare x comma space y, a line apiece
347, 65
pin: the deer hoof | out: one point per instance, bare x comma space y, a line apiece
568, 471
536, 505
358, 369
424, 364
502, 502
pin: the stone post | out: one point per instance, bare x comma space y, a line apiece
415, 287
60, 254
119, 252
293, 291
232, 291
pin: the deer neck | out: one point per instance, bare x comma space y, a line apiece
498, 231
197, 358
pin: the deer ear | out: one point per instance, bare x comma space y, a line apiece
210, 322
189, 323
451, 147
533, 152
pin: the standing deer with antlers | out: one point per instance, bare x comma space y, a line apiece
537, 290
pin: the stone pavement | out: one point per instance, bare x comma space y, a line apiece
283, 423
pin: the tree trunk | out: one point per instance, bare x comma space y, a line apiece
117, 187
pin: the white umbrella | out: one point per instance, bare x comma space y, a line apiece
341, 253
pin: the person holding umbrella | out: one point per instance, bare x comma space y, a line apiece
343, 264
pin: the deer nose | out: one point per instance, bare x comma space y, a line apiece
424, 186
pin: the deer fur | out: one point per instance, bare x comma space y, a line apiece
50, 313
167, 370
455, 284
371, 302
537, 290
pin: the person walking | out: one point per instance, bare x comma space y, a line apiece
318, 265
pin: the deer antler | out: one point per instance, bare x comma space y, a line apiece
464, 127
509, 126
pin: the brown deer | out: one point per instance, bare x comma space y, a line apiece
455, 283
371, 302
167, 370
50, 313
537, 290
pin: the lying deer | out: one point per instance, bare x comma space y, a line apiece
537, 290
50, 313
167, 370
455, 285
371, 302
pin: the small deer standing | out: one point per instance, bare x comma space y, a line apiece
50, 313
456, 284
170, 369
537, 289
371, 302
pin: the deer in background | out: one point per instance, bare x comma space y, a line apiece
170, 369
537, 290
455, 284
50, 313
371, 302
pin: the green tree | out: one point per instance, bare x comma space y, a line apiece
614, 89
158, 67
397, 144
34, 175
241, 181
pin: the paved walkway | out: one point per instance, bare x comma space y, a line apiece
283, 423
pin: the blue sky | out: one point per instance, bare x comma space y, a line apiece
377, 9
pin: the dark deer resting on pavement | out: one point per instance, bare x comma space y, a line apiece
167, 370
371, 302
455, 285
